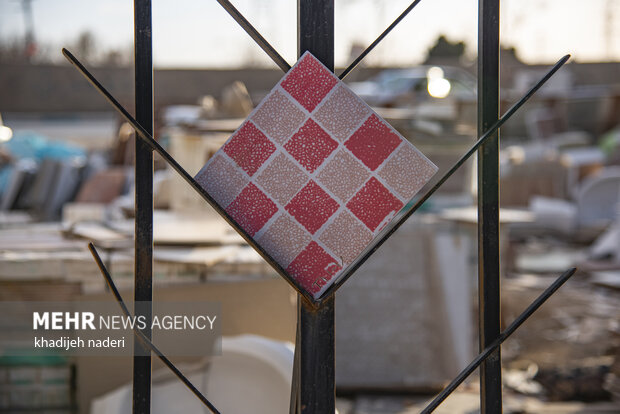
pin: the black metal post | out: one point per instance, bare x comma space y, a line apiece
143, 287
316, 334
316, 359
488, 206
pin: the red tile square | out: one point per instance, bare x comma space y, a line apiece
313, 268
312, 207
373, 142
249, 148
309, 81
311, 145
373, 204
252, 209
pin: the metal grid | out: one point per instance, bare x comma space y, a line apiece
313, 386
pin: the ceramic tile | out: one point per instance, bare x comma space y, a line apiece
314, 268
341, 113
252, 209
278, 117
312, 207
309, 81
314, 174
342, 165
407, 171
311, 145
222, 180
346, 237
284, 240
373, 142
281, 179
373, 204
249, 148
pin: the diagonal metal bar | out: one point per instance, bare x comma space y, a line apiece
143, 338
408, 211
537, 303
148, 138
377, 40
255, 35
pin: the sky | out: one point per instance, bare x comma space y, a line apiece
199, 33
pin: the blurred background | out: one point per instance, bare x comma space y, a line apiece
66, 178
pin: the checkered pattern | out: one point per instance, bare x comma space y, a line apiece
314, 174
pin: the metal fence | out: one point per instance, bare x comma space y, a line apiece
313, 385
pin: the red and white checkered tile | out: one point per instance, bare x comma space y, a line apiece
314, 174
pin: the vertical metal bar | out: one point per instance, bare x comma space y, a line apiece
316, 339
316, 369
488, 205
294, 399
143, 287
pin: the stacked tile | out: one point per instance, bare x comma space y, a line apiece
314, 174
